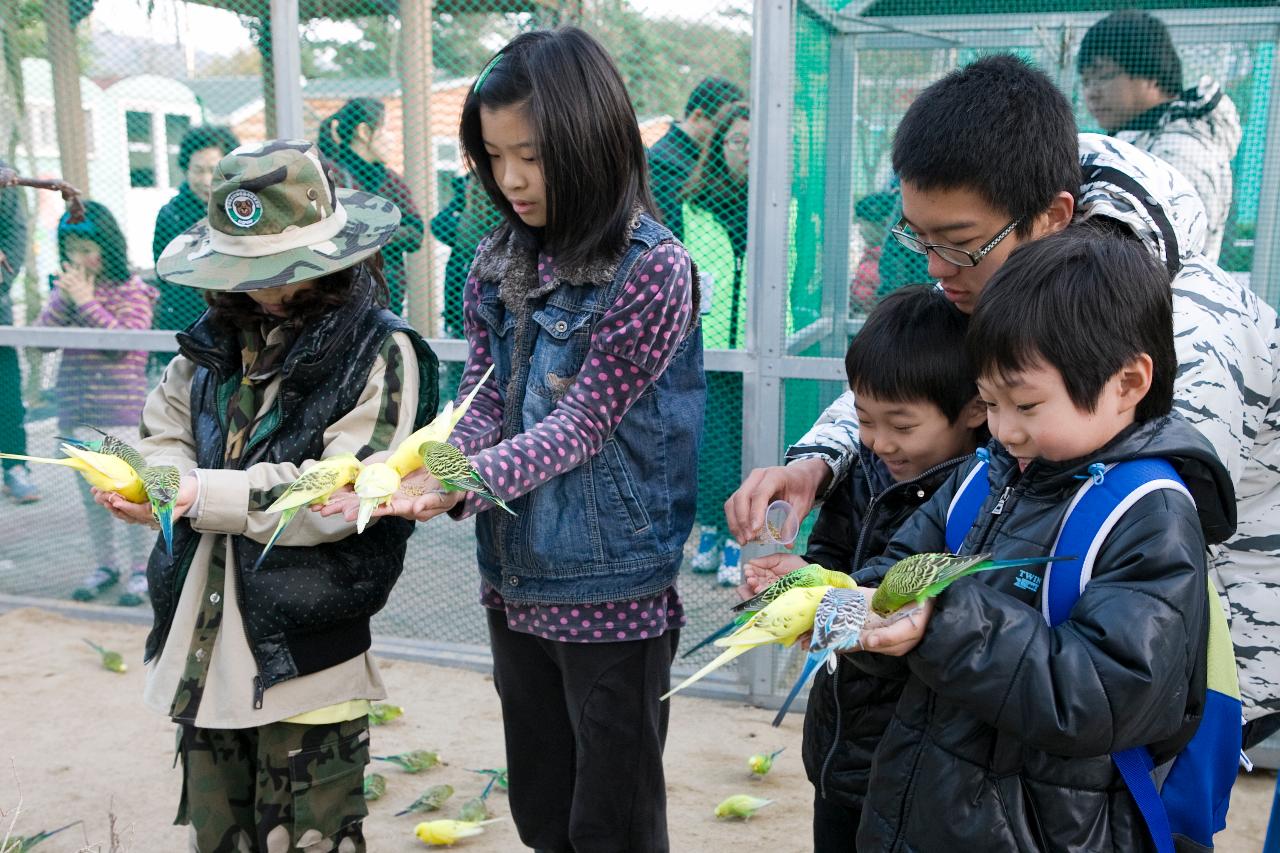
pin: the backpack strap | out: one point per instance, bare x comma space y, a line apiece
968, 500
1096, 508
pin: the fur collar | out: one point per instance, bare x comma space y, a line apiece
508, 260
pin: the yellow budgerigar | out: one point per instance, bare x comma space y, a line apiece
108, 473
379, 481
782, 621
445, 833
315, 486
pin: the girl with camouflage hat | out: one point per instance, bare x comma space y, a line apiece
266, 669
585, 307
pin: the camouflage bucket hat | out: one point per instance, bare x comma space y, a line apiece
275, 218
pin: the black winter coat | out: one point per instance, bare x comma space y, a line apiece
849, 710
1002, 738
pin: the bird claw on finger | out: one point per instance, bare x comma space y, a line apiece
909, 615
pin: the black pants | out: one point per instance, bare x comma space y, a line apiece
835, 828
584, 734
13, 434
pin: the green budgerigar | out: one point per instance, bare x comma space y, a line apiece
113, 661
923, 576
381, 713
741, 806
782, 622
499, 775
805, 576
431, 800
455, 472
476, 808
379, 481
412, 762
314, 486
161, 482
762, 762
23, 843
375, 785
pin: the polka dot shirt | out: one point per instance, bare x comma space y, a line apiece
631, 345
611, 622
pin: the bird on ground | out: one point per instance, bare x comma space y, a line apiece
412, 762
113, 661
741, 806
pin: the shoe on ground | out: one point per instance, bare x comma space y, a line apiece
19, 485
730, 571
102, 579
707, 558
135, 589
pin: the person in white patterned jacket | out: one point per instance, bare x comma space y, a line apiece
978, 182
1132, 79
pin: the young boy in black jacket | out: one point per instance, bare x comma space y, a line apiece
1003, 735
919, 419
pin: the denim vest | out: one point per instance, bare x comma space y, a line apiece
613, 528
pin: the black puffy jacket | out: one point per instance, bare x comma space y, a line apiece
848, 710
1001, 740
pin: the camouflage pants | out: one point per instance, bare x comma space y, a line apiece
275, 788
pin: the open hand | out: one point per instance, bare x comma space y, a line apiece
900, 632
420, 497
140, 513
797, 483
759, 572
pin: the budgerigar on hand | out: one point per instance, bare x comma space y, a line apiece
379, 481
456, 473
160, 482
805, 576
837, 627
782, 621
314, 486
923, 576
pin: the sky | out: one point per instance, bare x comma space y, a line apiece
220, 32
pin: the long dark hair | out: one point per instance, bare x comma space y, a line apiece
234, 311
588, 141
712, 187
100, 227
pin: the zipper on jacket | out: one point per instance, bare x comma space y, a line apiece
868, 517
1004, 496
835, 741
258, 690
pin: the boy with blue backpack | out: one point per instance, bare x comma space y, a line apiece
1091, 704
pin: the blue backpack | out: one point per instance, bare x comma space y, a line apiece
1191, 804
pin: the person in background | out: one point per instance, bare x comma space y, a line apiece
1132, 78
351, 141
461, 225
200, 150
673, 157
715, 221
102, 389
18, 484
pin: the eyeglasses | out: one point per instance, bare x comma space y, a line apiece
737, 142
950, 254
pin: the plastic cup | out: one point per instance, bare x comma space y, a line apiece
780, 524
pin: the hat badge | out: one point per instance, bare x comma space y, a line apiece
243, 208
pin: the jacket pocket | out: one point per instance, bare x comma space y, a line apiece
327, 787
563, 338
624, 487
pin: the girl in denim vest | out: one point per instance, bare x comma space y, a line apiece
586, 308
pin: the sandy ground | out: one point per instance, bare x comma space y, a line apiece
76, 743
